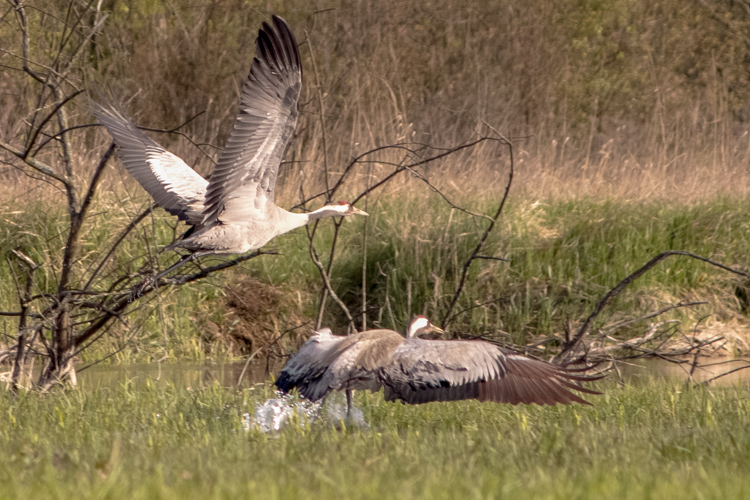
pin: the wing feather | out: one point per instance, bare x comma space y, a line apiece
172, 184
245, 176
431, 370
305, 369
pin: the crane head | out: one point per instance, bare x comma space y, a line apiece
420, 326
346, 208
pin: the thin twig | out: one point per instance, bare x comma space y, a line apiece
483, 239
327, 283
131, 225
611, 329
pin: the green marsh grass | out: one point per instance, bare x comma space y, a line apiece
656, 440
564, 255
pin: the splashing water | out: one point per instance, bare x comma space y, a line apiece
277, 412
336, 416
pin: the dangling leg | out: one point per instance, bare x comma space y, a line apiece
320, 403
182, 262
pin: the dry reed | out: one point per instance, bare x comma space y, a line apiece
637, 100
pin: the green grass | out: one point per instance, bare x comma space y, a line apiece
564, 256
658, 440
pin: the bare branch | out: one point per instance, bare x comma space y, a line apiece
148, 285
35, 164
483, 239
40, 126
625, 282
23, 299
327, 282
133, 223
611, 329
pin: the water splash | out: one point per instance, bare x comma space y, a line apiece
277, 412
336, 416
283, 410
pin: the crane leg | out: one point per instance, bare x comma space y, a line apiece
348, 404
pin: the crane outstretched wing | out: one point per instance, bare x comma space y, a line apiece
245, 176
421, 371
305, 369
172, 184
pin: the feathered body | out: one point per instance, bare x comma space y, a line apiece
328, 362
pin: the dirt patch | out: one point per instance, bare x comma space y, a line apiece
261, 316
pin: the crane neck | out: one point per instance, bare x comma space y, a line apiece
326, 211
293, 220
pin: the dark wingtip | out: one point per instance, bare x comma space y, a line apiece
284, 382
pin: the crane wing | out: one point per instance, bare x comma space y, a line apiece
172, 184
328, 362
447, 370
305, 369
244, 179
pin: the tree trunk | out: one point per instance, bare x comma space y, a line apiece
60, 368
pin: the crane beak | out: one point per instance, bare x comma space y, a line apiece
436, 329
356, 211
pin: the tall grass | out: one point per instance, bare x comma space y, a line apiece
653, 441
563, 256
631, 98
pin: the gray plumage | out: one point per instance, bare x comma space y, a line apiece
235, 211
417, 370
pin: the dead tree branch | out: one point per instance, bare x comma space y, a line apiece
583, 330
475, 253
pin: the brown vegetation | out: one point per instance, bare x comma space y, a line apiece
257, 315
634, 99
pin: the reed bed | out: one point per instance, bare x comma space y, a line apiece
628, 121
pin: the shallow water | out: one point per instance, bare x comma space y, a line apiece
182, 375
644, 370
196, 375
283, 410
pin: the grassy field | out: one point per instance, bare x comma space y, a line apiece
564, 255
657, 440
